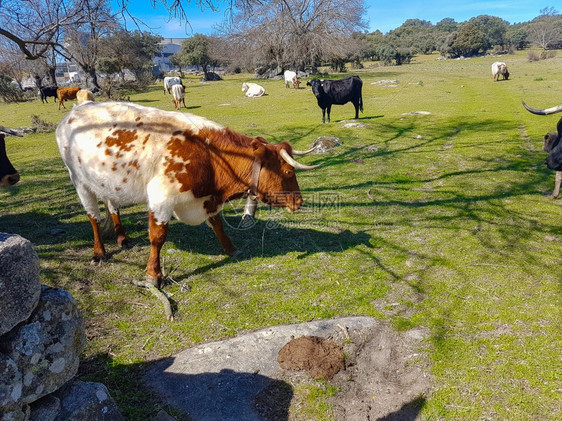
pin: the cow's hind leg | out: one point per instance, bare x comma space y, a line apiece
216, 224
122, 240
157, 233
90, 204
356, 105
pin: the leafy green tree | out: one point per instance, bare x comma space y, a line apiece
468, 41
130, 50
493, 29
195, 51
517, 36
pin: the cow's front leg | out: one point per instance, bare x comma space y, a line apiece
216, 224
157, 233
328, 111
99, 249
557, 182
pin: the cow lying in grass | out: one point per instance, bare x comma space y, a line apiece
552, 145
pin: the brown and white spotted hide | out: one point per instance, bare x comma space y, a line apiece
178, 163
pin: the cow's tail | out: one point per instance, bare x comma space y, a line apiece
107, 229
361, 101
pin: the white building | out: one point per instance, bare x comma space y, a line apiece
169, 46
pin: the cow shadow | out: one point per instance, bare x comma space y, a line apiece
266, 237
270, 235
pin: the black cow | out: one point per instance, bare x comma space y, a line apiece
339, 92
47, 91
553, 146
8, 174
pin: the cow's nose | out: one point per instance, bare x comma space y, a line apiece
296, 203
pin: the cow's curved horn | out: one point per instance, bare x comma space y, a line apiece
546, 111
296, 152
297, 165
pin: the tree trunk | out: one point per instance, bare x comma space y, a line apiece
93, 77
51, 74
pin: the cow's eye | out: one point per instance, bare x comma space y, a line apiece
288, 173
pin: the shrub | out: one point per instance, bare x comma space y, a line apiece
42, 126
8, 91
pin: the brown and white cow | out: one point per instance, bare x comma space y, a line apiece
499, 68
178, 96
291, 78
178, 163
8, 174
551, 145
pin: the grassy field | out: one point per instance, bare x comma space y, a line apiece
440, 221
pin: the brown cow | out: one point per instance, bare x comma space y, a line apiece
67, 93
178, 163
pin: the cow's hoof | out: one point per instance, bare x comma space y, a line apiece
154, 281
236, 253
125, 244
98, 260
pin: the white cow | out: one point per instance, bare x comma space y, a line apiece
169, 81
253, 89
291, 77
178, 96
499, 68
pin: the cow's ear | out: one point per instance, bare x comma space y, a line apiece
259, 149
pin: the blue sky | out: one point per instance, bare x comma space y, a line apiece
381, 14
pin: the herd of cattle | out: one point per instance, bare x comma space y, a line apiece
186, 166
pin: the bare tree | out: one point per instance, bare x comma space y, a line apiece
296, 33
12, 65
36, 26
546, 31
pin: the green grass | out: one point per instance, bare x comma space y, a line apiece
446, 214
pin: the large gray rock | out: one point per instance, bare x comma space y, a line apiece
81, 401
17, 414
19, 280
45, 409
11, 382
47, 346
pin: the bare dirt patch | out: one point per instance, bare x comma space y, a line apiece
386, 378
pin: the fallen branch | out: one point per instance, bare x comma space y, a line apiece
344, 328
160, 295
369, 195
